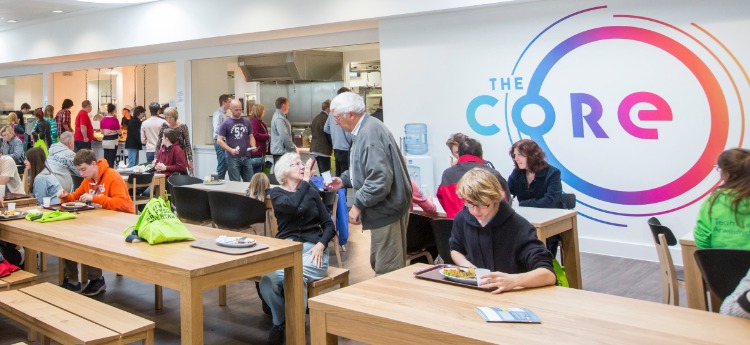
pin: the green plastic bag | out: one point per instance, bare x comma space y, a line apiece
562, 279
157, 224
47, 217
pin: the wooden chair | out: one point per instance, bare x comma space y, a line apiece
419, 237
335, 276
16, 280
722, 270
136, 181
671, 278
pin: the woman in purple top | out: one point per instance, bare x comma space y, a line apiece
110, 127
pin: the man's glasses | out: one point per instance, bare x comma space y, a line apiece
479, 207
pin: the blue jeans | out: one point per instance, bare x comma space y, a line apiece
221, 162
239, 168
272, 284
132, 157
150, 157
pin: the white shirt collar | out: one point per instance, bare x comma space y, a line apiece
355, 131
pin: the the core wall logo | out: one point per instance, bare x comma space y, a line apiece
633, 110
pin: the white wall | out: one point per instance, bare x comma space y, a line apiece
28, 90
434, 66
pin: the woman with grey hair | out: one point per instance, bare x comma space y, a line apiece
302, 217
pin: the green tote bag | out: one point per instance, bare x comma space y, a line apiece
157, 224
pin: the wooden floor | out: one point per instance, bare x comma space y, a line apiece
242, 321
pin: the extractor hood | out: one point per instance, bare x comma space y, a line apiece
306, 65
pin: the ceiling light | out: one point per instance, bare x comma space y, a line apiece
12, 21
57, 11
117, 1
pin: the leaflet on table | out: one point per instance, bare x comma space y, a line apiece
497, 314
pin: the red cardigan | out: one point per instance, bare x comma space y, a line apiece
173, 157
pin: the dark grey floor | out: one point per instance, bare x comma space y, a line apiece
243, 322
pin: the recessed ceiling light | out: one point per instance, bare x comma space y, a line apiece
117, 1
57, 11
12, 21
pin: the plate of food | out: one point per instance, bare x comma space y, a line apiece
235, 242
461, 275
15, 214
73, 205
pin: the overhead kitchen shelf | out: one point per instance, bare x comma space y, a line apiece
364, 66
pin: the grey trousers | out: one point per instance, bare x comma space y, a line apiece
388, 246
71, 271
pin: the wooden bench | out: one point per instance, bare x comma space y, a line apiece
70, 318
17, 280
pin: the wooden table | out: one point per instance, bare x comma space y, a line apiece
397, 308
694, 288
96, 238
160, 184
549, 222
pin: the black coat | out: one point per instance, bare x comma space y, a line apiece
133, 141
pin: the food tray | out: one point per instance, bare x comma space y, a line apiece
433, 274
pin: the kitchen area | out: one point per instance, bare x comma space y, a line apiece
306, 78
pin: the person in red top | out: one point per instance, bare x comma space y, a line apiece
260, 133
62, 119
101, 185
84, 130
469, 156
170, 159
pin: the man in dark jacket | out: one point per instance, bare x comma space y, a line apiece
469, 156
321, 145
378, 114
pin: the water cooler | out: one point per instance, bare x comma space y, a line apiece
421, 172
419, 165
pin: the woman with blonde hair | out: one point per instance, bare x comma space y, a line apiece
183, 135
260, 133
49, 117
489, 234
724, 218
19, 131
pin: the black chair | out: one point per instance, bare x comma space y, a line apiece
236, 212
672, 278
441, 230
77, 180
331, 200
136, 181
419, 237
568, 201
722, 269
272, 179
180, 180
192, 204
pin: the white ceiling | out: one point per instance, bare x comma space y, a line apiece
27, 12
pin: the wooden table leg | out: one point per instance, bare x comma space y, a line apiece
572, 255
318, 331
30, 260
696, 294
191, 314
295, 301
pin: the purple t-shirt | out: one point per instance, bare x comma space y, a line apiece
237, 133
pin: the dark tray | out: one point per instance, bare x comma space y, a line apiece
433, 274
15, 196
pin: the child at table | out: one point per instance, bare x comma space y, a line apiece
258, 185
488, 233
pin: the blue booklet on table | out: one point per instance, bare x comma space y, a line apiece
497, 314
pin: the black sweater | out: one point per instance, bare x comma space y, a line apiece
507, 244
301, 215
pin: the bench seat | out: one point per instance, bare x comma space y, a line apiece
71, 318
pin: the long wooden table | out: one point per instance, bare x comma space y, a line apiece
549, 222
96, 238
397, 308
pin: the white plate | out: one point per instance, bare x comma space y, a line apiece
73, 205
214, 182
235, 242
458, 280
